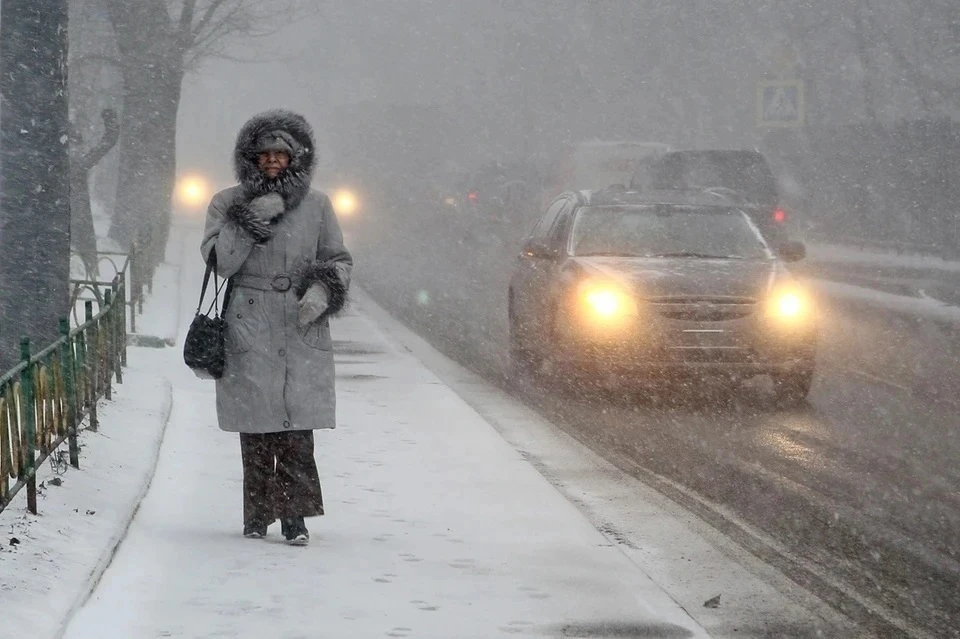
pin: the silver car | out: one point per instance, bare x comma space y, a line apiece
660, 284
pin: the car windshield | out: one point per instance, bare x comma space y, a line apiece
667, 231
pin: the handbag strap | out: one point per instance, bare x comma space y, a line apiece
211, 264
226, 295
228, 286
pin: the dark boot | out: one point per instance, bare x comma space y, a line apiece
295, 531
255, 530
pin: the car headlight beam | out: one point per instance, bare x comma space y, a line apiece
192, 192
345, 202
606, 302
790, 305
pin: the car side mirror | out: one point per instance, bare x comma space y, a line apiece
792, 251
538, 249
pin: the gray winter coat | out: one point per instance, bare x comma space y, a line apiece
278, 376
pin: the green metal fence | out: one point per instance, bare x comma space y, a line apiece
51, 395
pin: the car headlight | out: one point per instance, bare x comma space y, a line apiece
607, 302
192, 192
790, 305
345, 202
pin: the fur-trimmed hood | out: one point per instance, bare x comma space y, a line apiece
293, 183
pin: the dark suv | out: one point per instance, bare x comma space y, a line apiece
738, 174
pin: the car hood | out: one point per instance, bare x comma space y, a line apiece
687, 277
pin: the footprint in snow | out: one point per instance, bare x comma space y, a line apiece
534, 593
516, 627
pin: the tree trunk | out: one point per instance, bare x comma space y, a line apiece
147, 150
165, 178
152, 76
35, 190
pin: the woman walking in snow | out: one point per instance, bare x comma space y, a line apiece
281, 246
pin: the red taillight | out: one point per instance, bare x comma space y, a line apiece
779, 216
473, 196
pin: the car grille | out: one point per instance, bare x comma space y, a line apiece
704, 309
710, 355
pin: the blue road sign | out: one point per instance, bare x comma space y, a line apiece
781, 104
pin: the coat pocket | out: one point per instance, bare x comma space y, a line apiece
238, 334
316, 335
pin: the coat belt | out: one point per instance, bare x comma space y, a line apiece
278, 283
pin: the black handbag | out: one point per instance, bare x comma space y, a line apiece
203, 349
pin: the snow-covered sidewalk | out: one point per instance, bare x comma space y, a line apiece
435, 527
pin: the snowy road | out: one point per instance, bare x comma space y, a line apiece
860, 490
436, 527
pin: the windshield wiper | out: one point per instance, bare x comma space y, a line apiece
704, 256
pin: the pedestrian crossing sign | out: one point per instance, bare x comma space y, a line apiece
780, 104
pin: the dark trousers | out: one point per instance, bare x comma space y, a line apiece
280, 477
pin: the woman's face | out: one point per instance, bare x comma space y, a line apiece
273, 162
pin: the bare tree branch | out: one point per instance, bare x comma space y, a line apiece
244, 20
230, 24
208, 16
186, 21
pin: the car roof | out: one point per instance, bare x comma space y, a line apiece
679, 197
714, 153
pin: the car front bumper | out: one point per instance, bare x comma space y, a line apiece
656, 346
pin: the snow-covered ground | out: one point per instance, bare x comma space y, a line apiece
159, 324
436, 527
921, 307
887, 268
843, 254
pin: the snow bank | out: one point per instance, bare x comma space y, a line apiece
842, 254
925, 308
49, 562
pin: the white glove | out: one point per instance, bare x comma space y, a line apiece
313, 303
266, 207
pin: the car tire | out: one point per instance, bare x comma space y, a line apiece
791, 389
524, 362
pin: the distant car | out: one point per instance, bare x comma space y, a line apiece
734, 173
499, 193
660, 283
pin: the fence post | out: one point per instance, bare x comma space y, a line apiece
91, 368
69, 389
107, 334
29, 421
116, 328
141, 263
81, 378
134, 284
122, 321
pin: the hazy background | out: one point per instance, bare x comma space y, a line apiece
526, 74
